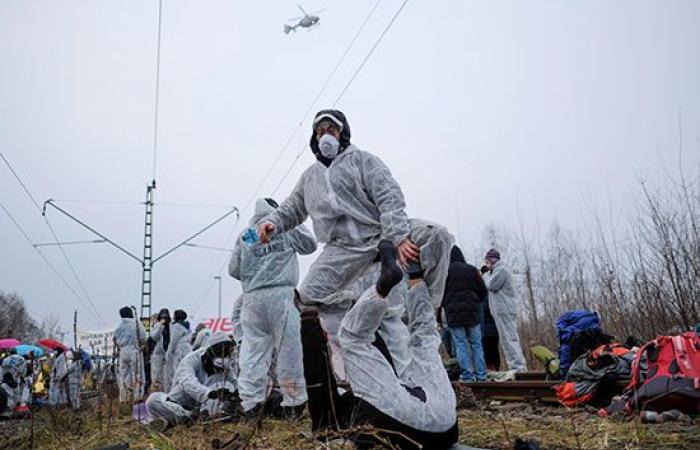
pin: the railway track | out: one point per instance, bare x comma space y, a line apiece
527, 387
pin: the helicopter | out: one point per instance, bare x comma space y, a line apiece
305, 21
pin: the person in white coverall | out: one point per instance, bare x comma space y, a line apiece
130, 338
504, 309
66, 377
204, 377
269, 272
160, 333
180, 345
414, 410
355, 202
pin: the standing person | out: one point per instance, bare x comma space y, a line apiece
160, 334
68, 377
129, 339
489, 336
180, 345
465, 291
355, 202
504, 309
269, 272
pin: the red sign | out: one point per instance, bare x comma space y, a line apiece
223, 324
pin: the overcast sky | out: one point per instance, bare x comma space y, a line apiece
475, 106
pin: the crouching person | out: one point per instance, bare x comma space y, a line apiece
205, 380
417, 410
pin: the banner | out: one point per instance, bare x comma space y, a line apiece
97, 342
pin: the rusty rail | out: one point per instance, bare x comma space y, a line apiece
519, 390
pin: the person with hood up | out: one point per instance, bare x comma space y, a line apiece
179, 347
204, 376
130, 339
268, 273
354, 202
414, 410
160, 334
465, 292
504, 309
66, 377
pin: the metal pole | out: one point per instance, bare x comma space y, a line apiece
218, 278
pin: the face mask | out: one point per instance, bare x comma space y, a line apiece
329, 146
221, 363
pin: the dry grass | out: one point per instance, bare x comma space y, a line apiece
554, 428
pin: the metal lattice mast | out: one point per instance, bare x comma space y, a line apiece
147, 261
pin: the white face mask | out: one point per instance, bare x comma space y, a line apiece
329, 146
221, 363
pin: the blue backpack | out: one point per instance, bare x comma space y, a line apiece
567, 326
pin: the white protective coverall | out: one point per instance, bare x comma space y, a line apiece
130, 337
192, 385
158, 355
269, 321
372, 378
504, 309
354, 203
66, 377
179, 347
236, 319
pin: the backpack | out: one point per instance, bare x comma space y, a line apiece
567, 326
666, 375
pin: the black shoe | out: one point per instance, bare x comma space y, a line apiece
391, 274
252, 415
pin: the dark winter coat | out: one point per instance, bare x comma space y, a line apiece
464, 292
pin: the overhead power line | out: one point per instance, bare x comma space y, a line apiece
56, 239
46, 261
346, 87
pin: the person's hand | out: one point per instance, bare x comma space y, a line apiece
221, 394
266, 230
484, 269
408, 251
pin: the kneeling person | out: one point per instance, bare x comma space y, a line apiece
416, 410
204, 375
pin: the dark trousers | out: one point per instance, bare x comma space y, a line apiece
491, 352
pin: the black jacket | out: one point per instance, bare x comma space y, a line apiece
464, 292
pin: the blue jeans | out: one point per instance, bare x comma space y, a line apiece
470, 353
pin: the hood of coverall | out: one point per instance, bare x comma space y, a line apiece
211, 350
262, 209
344, 135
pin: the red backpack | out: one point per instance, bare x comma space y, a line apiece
666, 375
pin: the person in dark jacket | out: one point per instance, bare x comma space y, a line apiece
465, 291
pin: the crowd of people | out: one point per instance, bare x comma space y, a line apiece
357, 342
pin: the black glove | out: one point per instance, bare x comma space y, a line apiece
221, 394
484, 269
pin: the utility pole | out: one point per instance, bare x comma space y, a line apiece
218, 278
147, 262
75, 330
